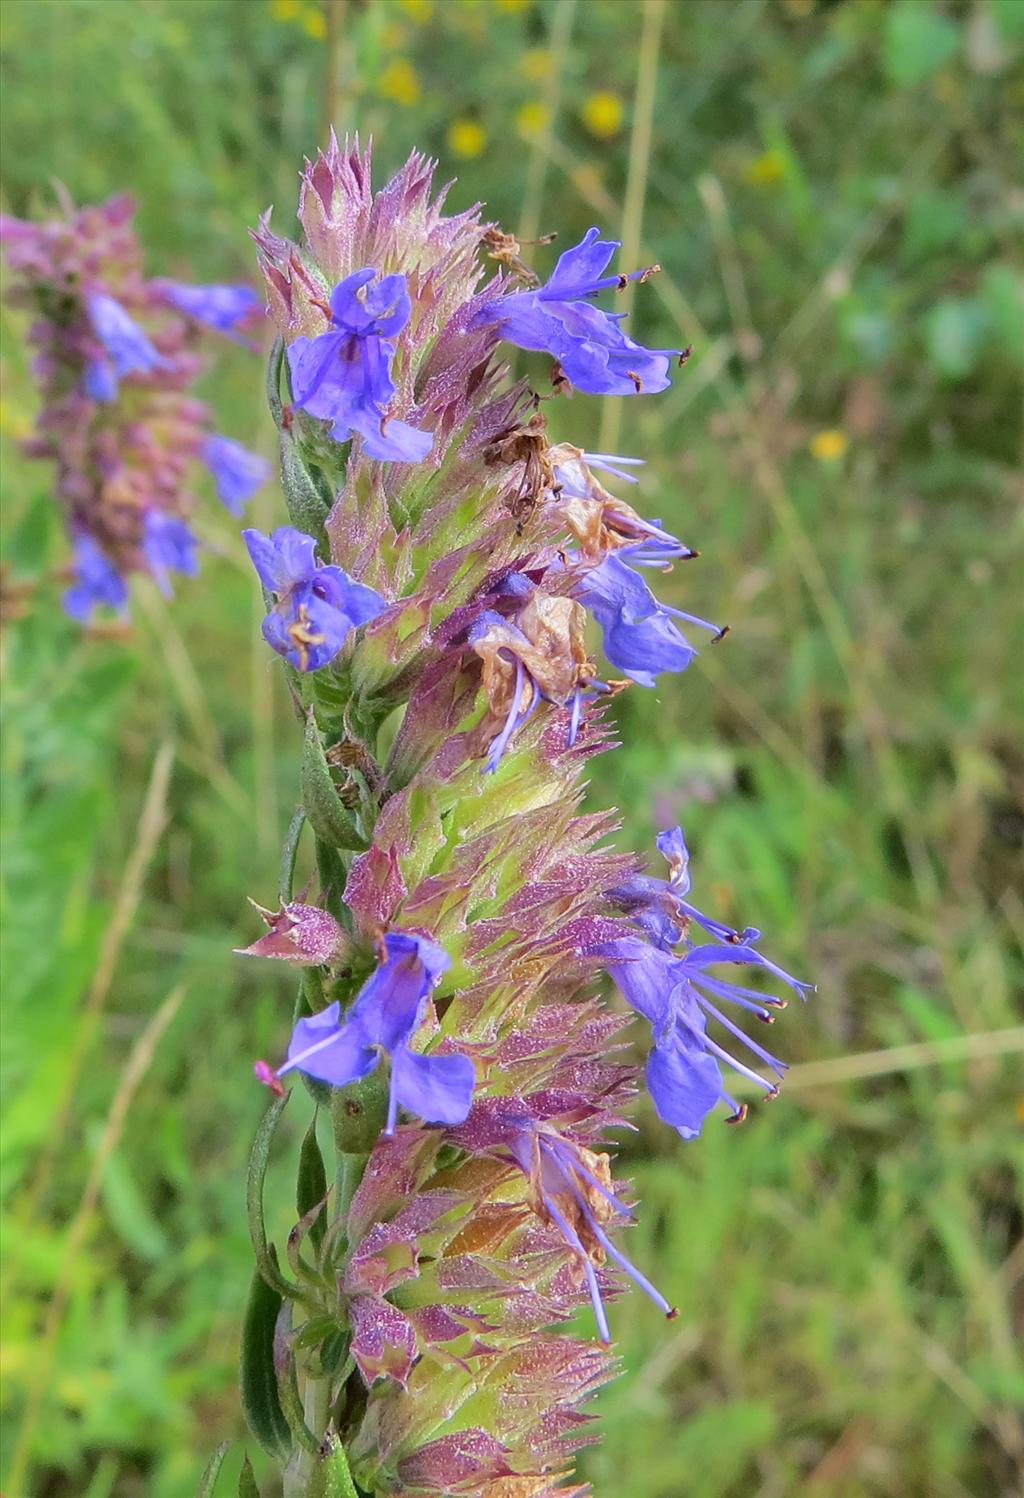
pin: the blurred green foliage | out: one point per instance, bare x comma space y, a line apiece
829, 189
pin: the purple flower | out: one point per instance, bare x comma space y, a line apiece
384, 1018
570, 1186
594, 352
97, 582
678, 996
237, 472
317, 605
344, 375
639, 635
128, 348
220, 307
659, 906
168, 546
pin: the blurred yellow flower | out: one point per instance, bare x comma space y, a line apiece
799, 8
400, 81
15, 421
393, 36
536, 63
314, 23
829, 446
285, 10
532, 117
466, 138
602, 113
420, 10
768, 168
513, 4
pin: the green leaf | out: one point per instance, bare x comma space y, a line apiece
289, 853
305, 490
266, 1260
323, 806
311, 1182
260, 1398
955, 329
1009, 18
211, 1471
128, 1212
247, 1480
275, 365
286, 1373
29, 543
1002, 295
918, 40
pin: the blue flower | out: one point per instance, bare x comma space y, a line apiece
677, 996
639, 635
237, 472
594, 352
97, 582
660, 906
344, 375
570, 1187
317, 605
383, 1020
220, 307
128, 348
168, 546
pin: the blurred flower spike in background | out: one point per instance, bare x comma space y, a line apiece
115, 362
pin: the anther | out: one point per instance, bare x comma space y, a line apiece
685, 354
726, 629
637, 381
739, 1116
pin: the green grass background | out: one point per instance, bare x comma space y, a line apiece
830, 190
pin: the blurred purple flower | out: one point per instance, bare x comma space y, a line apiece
237, 472
317, 605
128, 348
594, 352
344, 375
97, 582
221, 307
169, 546
384, 1018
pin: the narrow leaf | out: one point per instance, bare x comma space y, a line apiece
305, 493
289, 853
211, 1472
260, 1154
311, 1183
286, 1374
260, 1398
247, 1480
